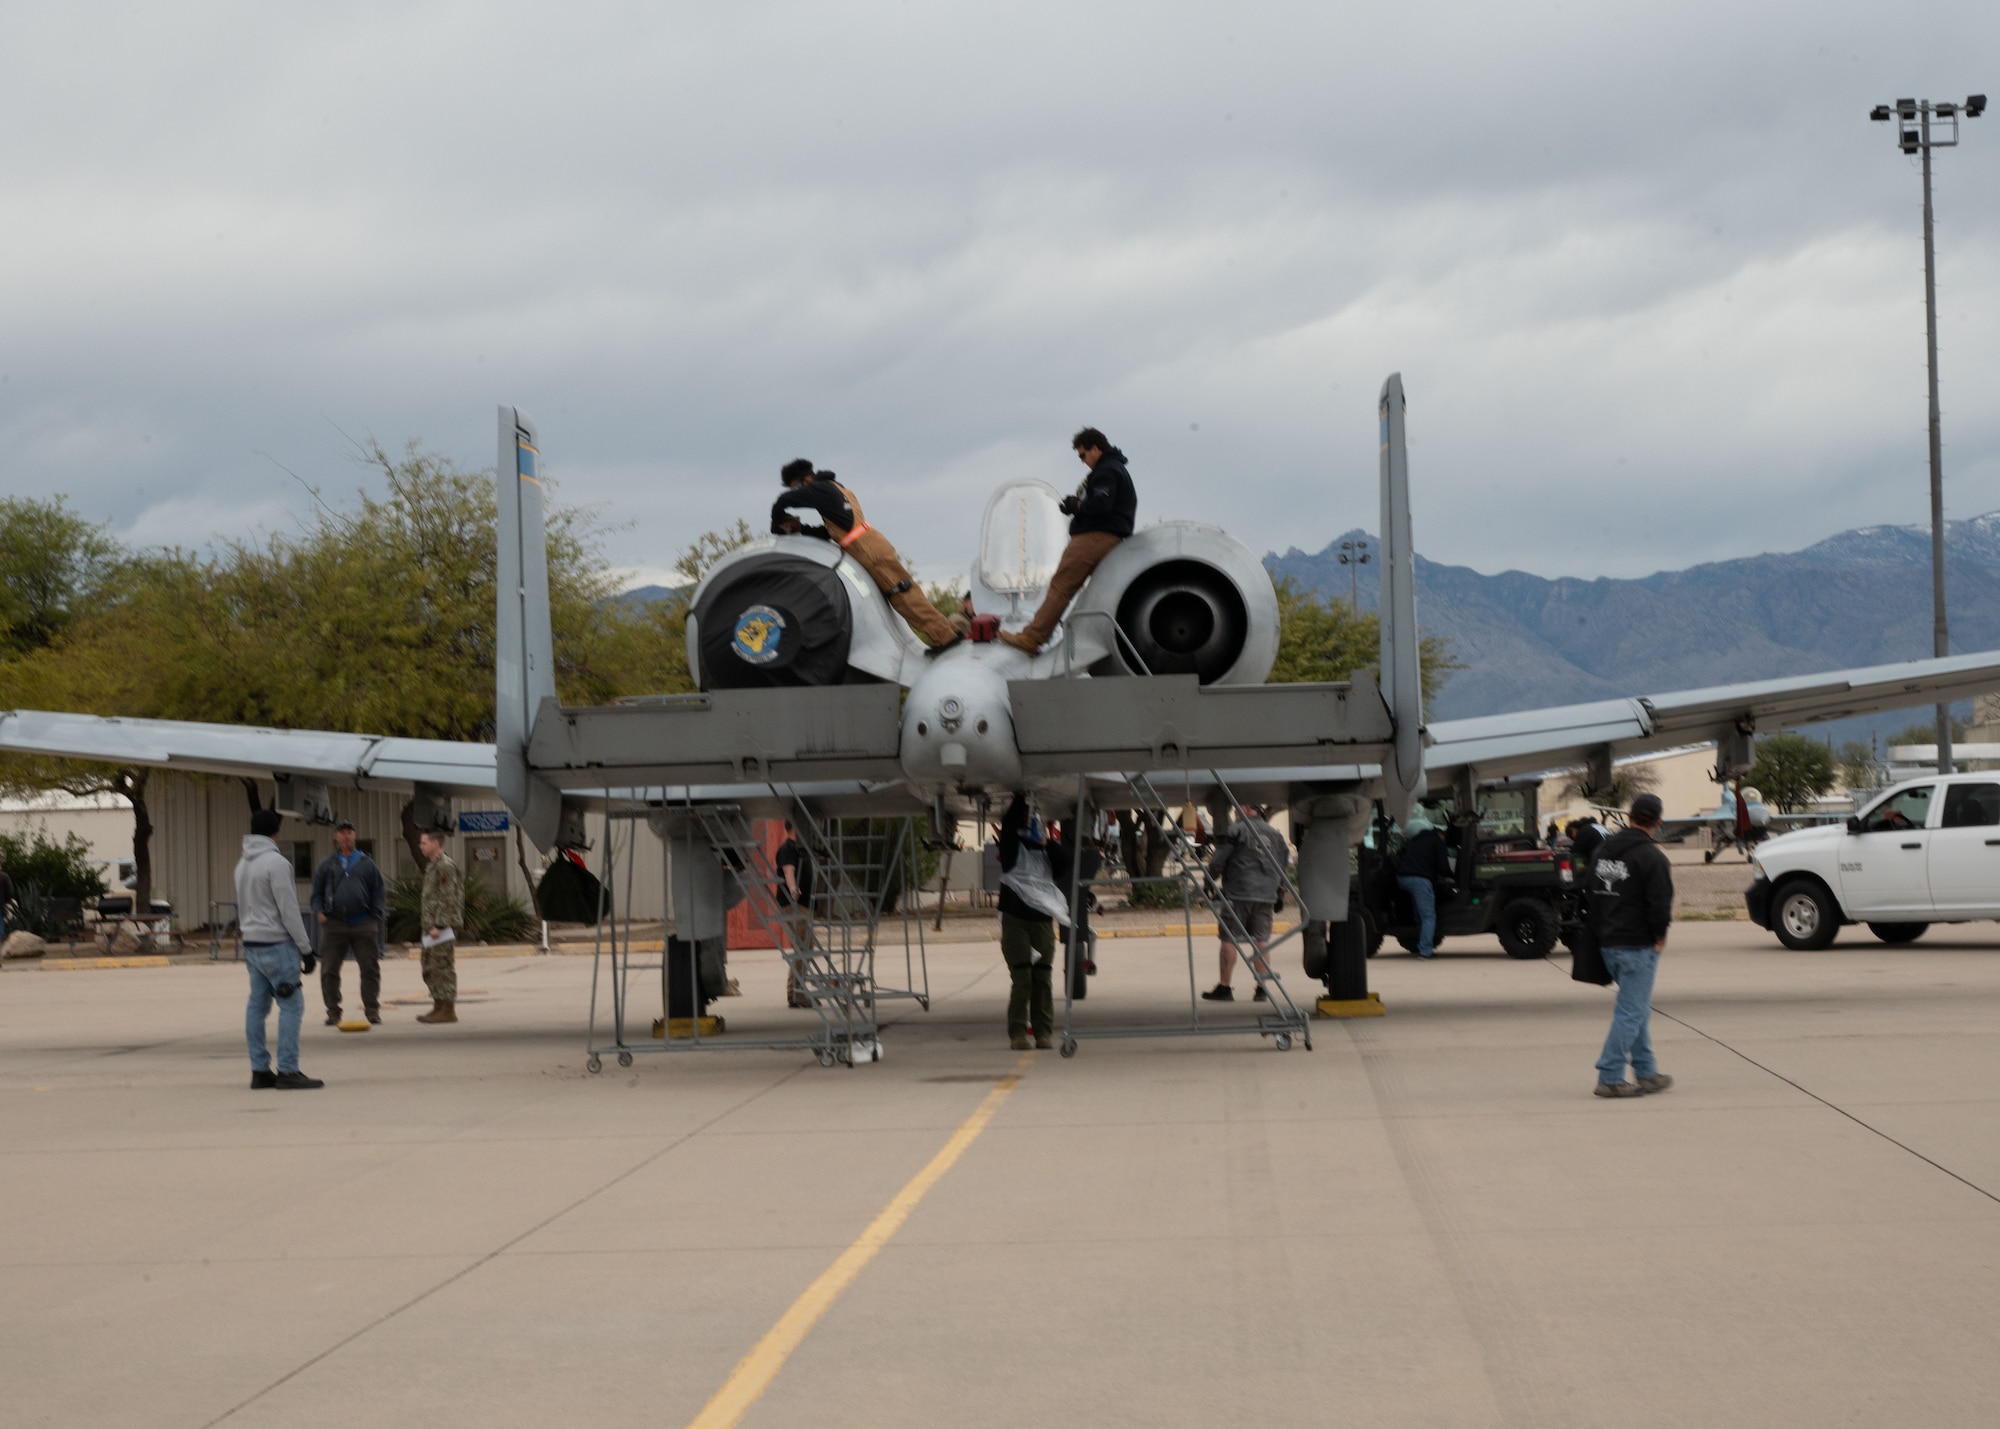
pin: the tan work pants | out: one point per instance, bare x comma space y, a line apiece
1079, 559
874, 554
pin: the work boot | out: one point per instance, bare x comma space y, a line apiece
296, 1082
333, 1017
1619, 1089
1015, 639
1260, 995
1042, 1044
260, 1081
1660, 1083
1019, 1042
441, 1011
374, 1015
730, 989
937, 650
1222, 993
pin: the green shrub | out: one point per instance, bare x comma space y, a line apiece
489, 917
56, 870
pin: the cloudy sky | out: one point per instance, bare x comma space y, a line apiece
1653, 280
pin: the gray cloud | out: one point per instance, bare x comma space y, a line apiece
1653, 280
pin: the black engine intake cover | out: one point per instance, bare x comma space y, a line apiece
774, 620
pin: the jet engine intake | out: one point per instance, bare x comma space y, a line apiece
772, 619
1188, 599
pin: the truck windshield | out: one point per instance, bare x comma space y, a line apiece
1503, 814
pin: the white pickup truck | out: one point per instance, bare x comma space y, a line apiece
1924, 852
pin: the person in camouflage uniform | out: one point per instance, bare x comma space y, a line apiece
443, 911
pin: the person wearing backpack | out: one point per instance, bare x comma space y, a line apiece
1632, 893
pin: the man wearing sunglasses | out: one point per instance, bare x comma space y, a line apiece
1101, 512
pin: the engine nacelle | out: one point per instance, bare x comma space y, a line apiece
792, 610
1189, 599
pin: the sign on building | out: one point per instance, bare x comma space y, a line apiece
483, 821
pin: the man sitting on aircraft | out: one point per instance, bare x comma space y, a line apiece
1101, 512
841, 522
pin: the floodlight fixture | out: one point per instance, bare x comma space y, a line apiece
1917, 134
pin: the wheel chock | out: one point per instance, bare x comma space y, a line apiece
679, 1027
1369, 1006
355, 1024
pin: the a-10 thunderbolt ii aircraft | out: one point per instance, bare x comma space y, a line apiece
815, 696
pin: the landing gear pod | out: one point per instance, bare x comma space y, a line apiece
773, 620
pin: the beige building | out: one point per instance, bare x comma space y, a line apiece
199, 822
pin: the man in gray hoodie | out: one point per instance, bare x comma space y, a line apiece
267, 910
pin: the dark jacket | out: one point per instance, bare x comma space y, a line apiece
794, 855
1635, 871
1011, 824
823, 499
350, 895
1106, 501
1424, 857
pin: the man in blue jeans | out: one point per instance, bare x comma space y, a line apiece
267, 910
1422, 863
1633, 894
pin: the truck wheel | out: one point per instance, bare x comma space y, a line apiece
1527, 928
1804, 916
1898, 932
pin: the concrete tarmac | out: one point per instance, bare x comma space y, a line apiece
1426, 1220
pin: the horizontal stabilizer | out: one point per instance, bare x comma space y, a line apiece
1173, 721
805, 734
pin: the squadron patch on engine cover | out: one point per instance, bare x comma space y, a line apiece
760, 631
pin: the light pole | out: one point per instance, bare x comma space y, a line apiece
1354, 555
1914, 135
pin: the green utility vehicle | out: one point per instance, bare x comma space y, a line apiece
1510, 885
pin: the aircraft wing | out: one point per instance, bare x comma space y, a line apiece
361, 761
1531, 740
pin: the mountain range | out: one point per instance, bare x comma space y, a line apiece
1862, 597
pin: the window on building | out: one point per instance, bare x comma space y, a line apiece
302, 860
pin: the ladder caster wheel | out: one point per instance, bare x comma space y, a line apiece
1283, 1041
1068, 1048
624, 1059
825, 1057
595, 1064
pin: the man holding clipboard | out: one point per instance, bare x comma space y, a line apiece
443, 910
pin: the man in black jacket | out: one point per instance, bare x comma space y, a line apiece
1633, 898
1422, 864
352, 903
1101, 513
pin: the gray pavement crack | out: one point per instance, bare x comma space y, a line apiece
1829, 1105
1832, 1106
499, 1250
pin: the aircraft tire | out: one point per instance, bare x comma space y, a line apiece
1898, 932
1528, 928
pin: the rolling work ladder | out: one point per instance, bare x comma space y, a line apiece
1282, 1020
829, 947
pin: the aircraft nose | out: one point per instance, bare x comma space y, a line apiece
958, 731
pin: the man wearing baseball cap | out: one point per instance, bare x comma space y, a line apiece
1632, 899
352, 904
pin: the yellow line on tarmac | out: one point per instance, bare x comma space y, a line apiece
755, 1371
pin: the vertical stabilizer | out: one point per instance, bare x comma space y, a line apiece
524, 649
1402, 677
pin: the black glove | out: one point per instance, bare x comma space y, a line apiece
308, 964
1067, 506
